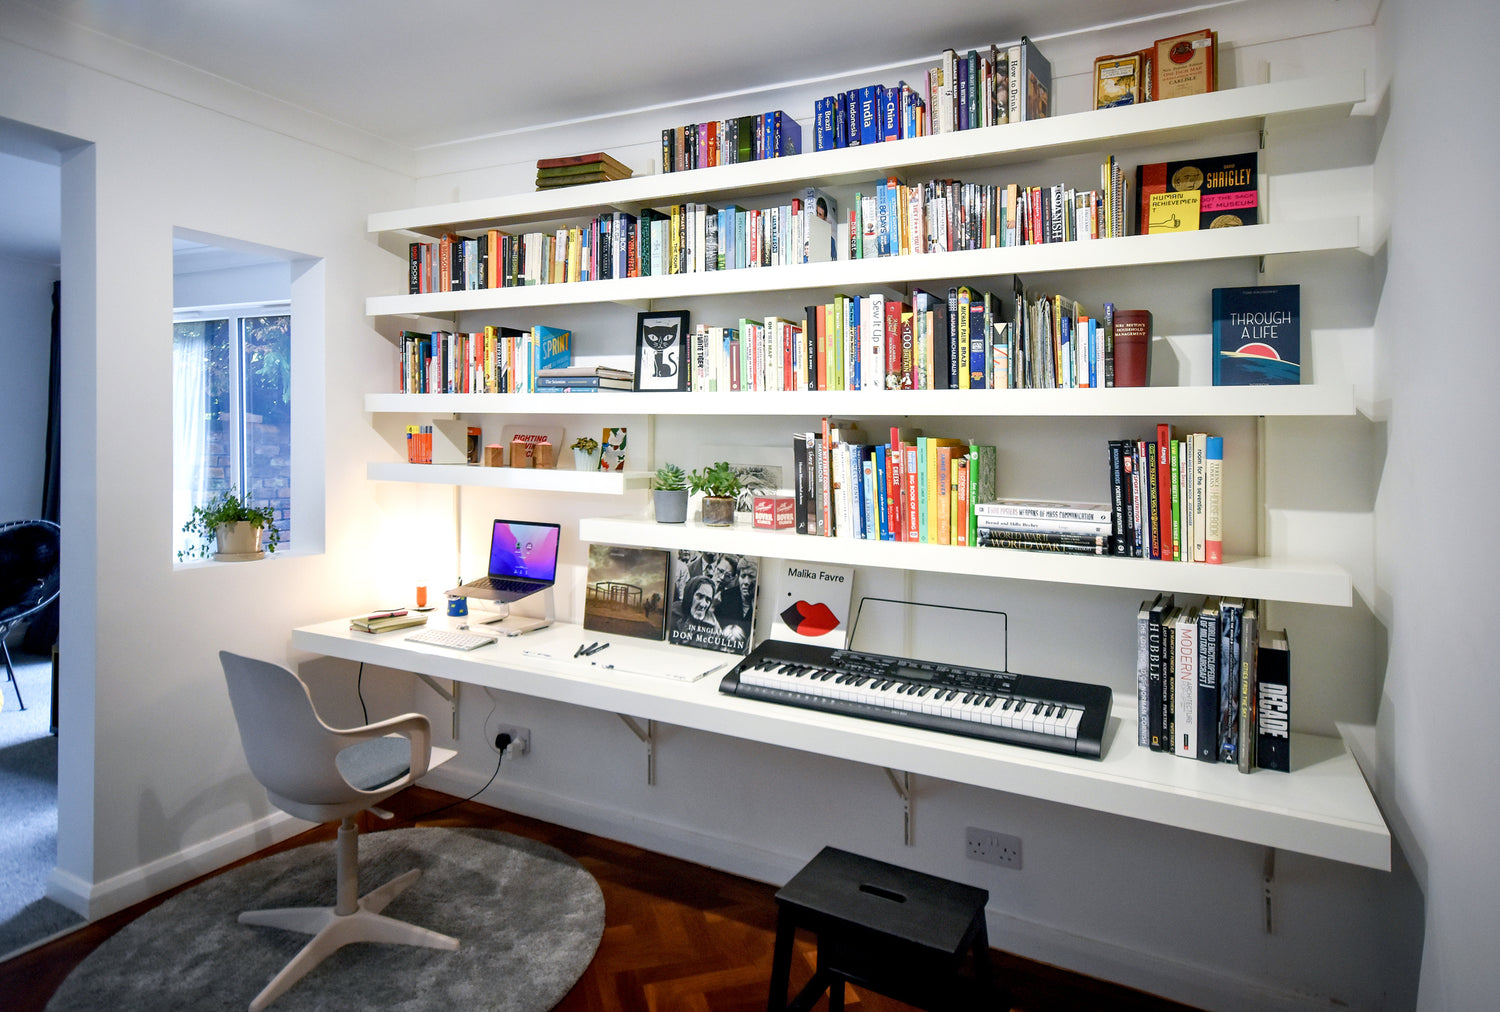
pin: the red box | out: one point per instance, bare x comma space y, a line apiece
774, 512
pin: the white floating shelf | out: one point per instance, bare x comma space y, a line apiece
1323, 807
1267, 578
917, 268
544, 479
1140, 402
1216, 114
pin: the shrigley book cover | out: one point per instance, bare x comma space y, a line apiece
1257, 335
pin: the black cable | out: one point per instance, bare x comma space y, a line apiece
443, 808
359, 688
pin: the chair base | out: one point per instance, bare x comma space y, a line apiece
332, 931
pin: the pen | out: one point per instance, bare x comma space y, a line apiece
584, 650
595, 649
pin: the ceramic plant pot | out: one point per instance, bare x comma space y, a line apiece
671, 505
718, 511
238, 542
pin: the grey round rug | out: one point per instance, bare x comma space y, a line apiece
528, 919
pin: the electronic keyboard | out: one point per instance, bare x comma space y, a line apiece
1028, 710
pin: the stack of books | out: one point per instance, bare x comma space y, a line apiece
576, 169
1080, 528
385, 621
584, 379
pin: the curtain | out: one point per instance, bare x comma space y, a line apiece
190, 390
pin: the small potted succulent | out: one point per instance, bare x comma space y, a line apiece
720, 484
234, 527
670, 489
585, 454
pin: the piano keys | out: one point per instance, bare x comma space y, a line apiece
1028, 710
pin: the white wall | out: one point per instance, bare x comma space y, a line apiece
1438, 364
25, 346
152, 781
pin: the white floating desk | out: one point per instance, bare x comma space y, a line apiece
1324, 808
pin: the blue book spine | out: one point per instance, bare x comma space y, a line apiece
890, 113
870, 530
882, 506
841, 119
869, 124
851, 125
788, 135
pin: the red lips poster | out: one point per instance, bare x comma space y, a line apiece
812, 603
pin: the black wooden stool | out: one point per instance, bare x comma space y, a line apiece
900, 933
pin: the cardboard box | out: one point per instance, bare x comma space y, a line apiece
774, 511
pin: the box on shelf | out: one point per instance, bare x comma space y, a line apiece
774, 511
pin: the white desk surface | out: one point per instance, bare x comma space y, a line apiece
1323, 808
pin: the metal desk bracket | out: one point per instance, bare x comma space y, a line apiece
902, 783
648, 737
451, 698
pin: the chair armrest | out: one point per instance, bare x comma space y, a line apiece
415, 727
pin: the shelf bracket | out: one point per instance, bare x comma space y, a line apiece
449, 696
1267, 877
647, 737
902, 783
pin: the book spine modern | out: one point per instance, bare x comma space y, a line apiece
1185, 686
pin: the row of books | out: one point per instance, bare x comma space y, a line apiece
497, 360
963, 92
895, 219
1212, 684
730, 141
945, 215
1168, 496
910, 488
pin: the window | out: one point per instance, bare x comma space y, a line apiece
232, 418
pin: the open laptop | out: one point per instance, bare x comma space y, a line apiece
523, 561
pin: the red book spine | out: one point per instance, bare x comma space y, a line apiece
893, 310
1164, 488
894, 499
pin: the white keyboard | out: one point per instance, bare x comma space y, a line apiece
453, 639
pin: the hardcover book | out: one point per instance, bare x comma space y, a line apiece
1186, 65
1257, 335
713, 601
1117, 81
1273, 703
811, 603
627, 591
1223, 189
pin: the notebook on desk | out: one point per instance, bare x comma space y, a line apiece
523, 561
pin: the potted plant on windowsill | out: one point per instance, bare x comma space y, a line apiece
233, 527
669, 487
720, 485
585, 454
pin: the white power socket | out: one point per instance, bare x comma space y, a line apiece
992, 848
520, 739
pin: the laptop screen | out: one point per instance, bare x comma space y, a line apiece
524, 550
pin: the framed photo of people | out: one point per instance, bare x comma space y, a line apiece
661, 350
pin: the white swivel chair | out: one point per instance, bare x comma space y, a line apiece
320, 773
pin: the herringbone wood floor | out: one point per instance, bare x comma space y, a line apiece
677, 938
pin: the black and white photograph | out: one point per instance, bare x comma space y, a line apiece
661, 350
713, 601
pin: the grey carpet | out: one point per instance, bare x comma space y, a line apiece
28, 798
528, 919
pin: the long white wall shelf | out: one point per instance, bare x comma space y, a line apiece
530, 479
1323, 808
1247, 241
1141, 402
1266, 578
1197, 117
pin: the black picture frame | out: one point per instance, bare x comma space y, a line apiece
661, 350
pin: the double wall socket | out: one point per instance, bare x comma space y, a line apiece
992, 847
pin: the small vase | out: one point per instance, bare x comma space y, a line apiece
238, 542
585, 460
718, 511
671, 505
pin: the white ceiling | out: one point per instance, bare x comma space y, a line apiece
420, 72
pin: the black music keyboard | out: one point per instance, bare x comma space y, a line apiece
1029, 710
